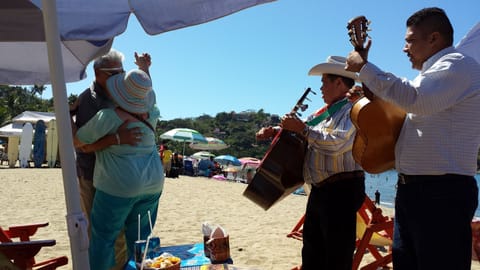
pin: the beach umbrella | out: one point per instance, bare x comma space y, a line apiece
211, 144
27, 39
202, 155
228, 159
250, 161
93, 20
183, 135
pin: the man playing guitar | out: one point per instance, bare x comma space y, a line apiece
338, 183
436, 151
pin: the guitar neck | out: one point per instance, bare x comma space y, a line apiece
299, 103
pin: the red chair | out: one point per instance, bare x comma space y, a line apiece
297, 231
374, 232
22, 253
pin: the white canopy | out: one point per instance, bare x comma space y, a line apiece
12, 129
33, 117
15, 128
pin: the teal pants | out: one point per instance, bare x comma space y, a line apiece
110, 214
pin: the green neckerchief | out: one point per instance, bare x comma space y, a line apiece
329, 111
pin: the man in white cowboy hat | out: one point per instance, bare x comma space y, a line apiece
337, 182
128, 178
85, 107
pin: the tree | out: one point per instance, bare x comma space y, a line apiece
236, 129
15, 100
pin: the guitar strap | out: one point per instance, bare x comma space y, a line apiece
326, 112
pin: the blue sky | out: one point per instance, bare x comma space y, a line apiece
259, 58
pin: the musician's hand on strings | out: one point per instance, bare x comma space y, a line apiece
355, 93
358, 58
266, 133
292, 123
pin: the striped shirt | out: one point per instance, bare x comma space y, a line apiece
441, 133
330, 147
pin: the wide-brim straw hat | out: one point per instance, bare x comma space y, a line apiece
334, 65
132, 91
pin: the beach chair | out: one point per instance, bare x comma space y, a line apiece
297, 231
22, 253
374, 232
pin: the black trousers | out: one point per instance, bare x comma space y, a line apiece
433, 216
330, 224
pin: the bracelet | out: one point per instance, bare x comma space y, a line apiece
117, 137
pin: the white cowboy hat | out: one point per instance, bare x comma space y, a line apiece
334, 65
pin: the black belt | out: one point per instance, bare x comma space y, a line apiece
340, 177
404, 179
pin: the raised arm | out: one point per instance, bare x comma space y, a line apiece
143, 61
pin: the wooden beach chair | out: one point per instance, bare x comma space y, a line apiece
22, 253
374, 232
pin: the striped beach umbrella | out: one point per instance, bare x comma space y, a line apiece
211, 144
202, 155
183, 135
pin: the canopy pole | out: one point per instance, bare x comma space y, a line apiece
76, 222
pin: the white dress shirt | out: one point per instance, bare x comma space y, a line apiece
441, 133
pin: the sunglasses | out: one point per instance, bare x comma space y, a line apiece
112, 71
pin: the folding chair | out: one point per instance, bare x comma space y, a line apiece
22, 253
374, 231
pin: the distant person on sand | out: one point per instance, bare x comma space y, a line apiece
249, 175
436, 151
338, 182
377, 197
166, 156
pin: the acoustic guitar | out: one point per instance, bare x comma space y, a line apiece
378, 122
281, 170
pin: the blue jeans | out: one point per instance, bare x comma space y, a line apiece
330, 225
433, 217
110, 214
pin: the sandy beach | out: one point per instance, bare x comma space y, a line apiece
257, 237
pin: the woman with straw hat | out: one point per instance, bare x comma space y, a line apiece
128, 179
